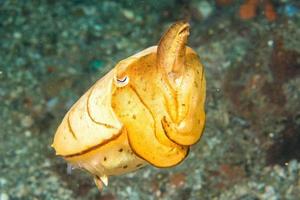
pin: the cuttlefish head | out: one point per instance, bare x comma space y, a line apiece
176, 71
170, 55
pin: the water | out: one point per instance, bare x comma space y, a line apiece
51, 52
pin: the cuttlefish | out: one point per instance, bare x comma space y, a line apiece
149, 109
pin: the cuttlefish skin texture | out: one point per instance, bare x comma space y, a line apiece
147, 110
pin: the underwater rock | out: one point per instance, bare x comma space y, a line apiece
27, 121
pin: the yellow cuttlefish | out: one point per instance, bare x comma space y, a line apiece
147, 110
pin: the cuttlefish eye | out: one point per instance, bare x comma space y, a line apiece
121, 82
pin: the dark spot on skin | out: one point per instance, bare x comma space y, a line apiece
120, 150
196, 84
129, 102
125, 166
183, 104
104, 158
133, 117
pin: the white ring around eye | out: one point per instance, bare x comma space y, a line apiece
121, 82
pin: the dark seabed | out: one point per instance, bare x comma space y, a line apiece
52, 51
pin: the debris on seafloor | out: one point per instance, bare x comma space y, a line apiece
284, 66
152, 110
178, 180
224, 2
290, 10
249, 8
262, 100
286, 147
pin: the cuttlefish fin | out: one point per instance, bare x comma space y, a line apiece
171, 50
101, 182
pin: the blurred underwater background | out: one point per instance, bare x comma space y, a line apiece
52, 51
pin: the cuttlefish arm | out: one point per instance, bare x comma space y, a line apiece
101, 182
183, 125
172, 49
